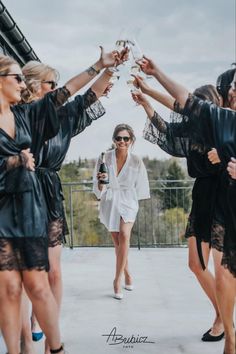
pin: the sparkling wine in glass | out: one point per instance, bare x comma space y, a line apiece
135, 69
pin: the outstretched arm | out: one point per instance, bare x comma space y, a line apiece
166, 100
106, 60
140, 98
179, 92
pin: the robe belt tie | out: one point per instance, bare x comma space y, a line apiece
109, 191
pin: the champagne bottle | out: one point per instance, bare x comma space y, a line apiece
103, 169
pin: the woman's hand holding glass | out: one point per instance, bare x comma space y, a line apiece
147, 66
140, 83
139, 98
108, 60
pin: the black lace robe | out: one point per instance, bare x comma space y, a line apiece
173, 137
75, 116
218, 125
23, 223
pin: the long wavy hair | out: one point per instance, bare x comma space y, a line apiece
223, 84
35, 72
5, 64
209, 93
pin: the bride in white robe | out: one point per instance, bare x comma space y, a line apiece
128, 183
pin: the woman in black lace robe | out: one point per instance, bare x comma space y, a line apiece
201, 227
74, 117
23, 222
217, 126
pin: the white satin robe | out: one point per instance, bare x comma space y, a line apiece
119, 199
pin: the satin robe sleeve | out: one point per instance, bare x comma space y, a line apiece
214, 125
43, 118
142, 183
96, 191
81, 112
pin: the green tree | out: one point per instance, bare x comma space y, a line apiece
176, 193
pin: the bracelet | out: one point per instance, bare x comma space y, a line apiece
110, 69
91, 71
109, 72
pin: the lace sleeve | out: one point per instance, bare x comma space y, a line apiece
168, 136
78, 114
60, 96
93, 106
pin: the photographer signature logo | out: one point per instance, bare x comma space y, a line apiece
114, 338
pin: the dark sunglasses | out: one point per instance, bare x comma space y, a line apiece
19, 77
52, 83
124, 138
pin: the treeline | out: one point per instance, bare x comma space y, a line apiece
82, 169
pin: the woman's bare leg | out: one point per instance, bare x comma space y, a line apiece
115, 239
205, 279
122, 253
45, 308
27, 346
54, 274
10, 304
55, 279
225, 293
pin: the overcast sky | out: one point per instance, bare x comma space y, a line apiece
193, 41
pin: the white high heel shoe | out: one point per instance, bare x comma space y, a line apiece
129, 287
118, 296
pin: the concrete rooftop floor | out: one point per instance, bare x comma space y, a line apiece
167, 305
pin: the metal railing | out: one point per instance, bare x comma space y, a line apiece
161, 220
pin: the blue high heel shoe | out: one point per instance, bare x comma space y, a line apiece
36, 336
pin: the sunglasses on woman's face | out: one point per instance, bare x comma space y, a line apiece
124, 138
19, 77
50, 82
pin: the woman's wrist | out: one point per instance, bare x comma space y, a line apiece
147, 91
98, 65
108, 72
94, 69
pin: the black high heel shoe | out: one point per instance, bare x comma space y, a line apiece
210, 338
55, 351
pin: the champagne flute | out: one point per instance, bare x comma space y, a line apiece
119, 46
137, 55
135, 50
132, 87
135, 69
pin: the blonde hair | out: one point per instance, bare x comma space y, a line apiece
5, 63
35, 72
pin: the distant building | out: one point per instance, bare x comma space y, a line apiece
12, 40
